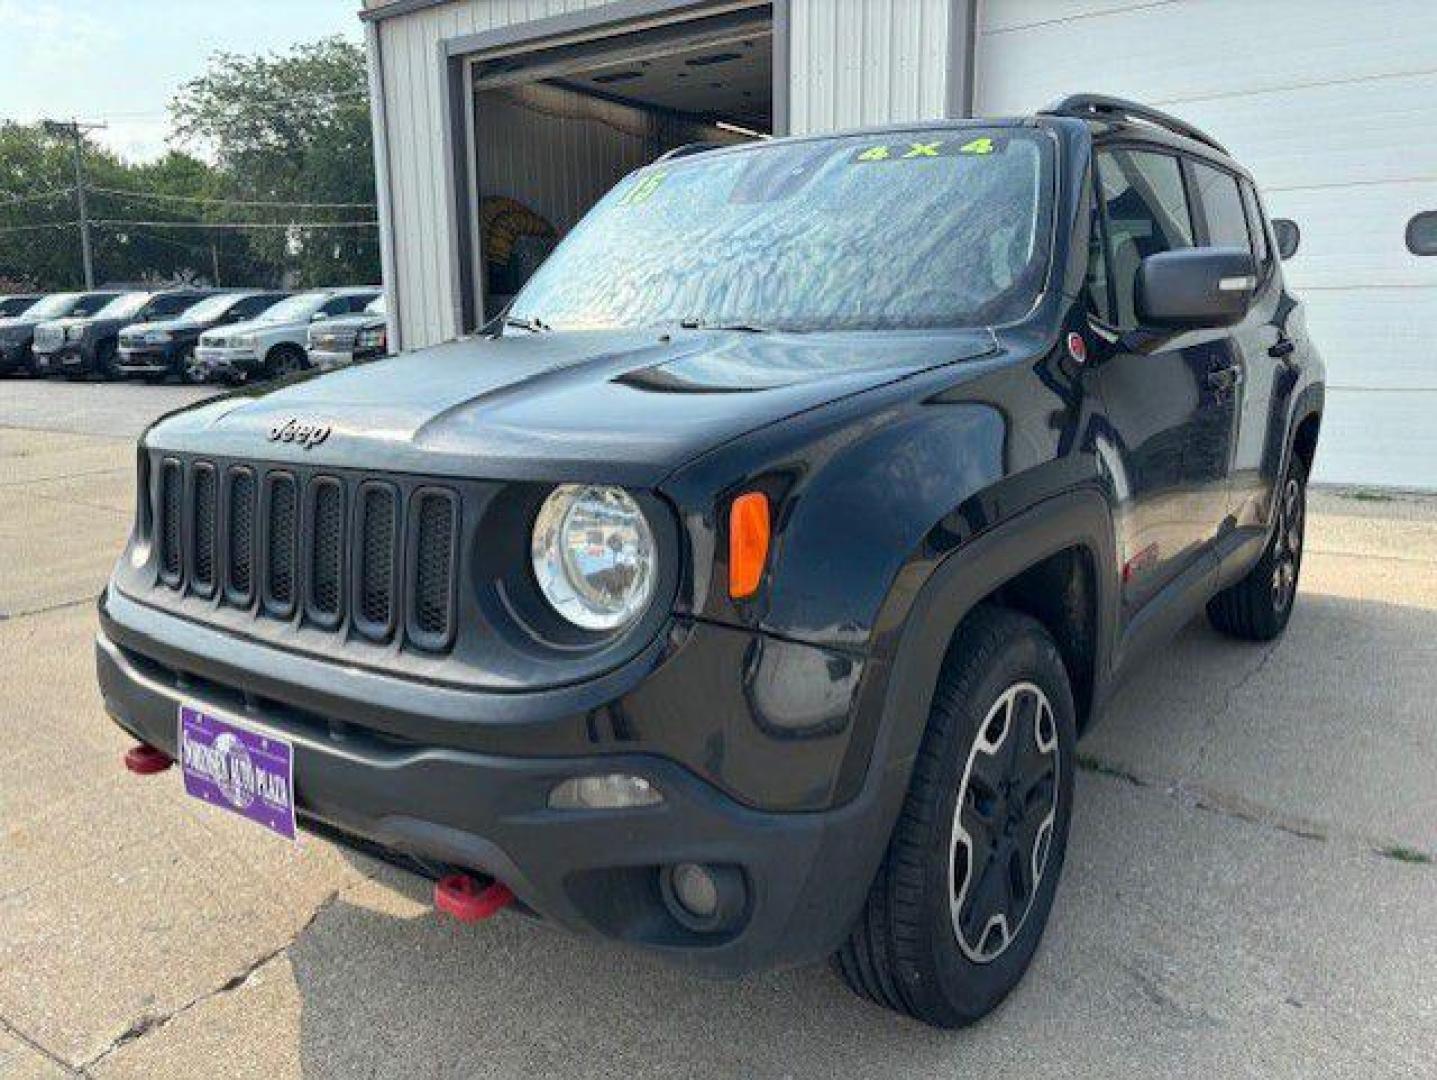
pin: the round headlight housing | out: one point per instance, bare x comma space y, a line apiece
594, 557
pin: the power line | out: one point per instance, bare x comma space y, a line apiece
117, 223
77, 130
43, 196
161, 196
6, 229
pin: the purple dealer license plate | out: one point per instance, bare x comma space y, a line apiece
239, 770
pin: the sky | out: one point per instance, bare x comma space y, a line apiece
121, 61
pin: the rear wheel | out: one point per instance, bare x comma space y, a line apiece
959, 905
1259, 606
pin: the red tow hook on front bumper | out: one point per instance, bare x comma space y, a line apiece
143, 760
461, 896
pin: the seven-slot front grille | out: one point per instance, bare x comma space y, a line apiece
325, 549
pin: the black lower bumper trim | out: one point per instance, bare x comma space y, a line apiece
595, 872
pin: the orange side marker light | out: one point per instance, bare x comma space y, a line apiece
748, 536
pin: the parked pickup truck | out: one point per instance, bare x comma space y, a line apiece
274, 344
89, 347
345, 340
17, 333
742, 593
166, 347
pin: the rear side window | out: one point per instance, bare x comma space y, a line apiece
1257, 228
253, 305
165, 306
1221, 201
1147, 213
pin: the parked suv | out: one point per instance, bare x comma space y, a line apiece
167, 346
272, 345
17, 333
742, 593
89, 346
348, 339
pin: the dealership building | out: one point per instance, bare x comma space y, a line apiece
499, 122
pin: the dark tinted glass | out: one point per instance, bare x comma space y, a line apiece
927, 228
1147, 213
1222, 206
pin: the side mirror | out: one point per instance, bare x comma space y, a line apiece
1196, 287
1288, 236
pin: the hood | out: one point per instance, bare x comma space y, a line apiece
167, 325
350, 322
252, 326
623, 407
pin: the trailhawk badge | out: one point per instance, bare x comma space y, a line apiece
300, 433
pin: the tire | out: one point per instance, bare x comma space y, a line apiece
283, 361
106, 360
909, 951
1258, 607
191, 371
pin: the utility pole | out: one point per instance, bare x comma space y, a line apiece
76, 130
215, 260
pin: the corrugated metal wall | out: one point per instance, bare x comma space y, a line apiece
1327, 104
413, 88
859, 62
851, 62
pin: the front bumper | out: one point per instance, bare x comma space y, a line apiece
224, 360
51, 363
449, 803
150, 359
327, 360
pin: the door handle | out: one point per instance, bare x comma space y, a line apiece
1284, 347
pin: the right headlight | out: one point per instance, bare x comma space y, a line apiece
594, 556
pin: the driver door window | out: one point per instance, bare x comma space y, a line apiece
1147, 212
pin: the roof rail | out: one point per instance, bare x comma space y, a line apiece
1103, 107
688, 150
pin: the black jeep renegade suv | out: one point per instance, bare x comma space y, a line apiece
742, 592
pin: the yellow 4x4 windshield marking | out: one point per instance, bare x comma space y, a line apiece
643, 190
938, 148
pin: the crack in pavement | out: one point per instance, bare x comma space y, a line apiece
1211, 722
1236, 808
149, 1023
60, 605
39, 1048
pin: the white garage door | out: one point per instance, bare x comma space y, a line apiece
1330, 104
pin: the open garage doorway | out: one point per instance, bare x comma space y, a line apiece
554, 125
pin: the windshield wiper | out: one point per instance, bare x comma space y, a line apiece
741, 327
535, 325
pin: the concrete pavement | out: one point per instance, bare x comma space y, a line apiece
1248, 892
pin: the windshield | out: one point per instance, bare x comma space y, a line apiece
940, 228
295, 309
124, 306
51, 306
212, 307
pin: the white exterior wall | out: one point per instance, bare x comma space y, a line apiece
1330, 105
854, 63
851, 62
412, 82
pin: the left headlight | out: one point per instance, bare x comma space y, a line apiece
593, 555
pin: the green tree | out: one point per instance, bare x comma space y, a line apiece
291, 128
39, 237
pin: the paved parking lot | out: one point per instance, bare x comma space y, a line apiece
1249, 889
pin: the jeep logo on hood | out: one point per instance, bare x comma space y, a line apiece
293, 430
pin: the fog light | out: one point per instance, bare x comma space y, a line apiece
696, 890
614, 791
707, 899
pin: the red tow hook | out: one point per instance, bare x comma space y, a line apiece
145, 760
461, 896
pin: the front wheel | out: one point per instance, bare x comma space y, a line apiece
959, 905
284, 361
1259, 606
